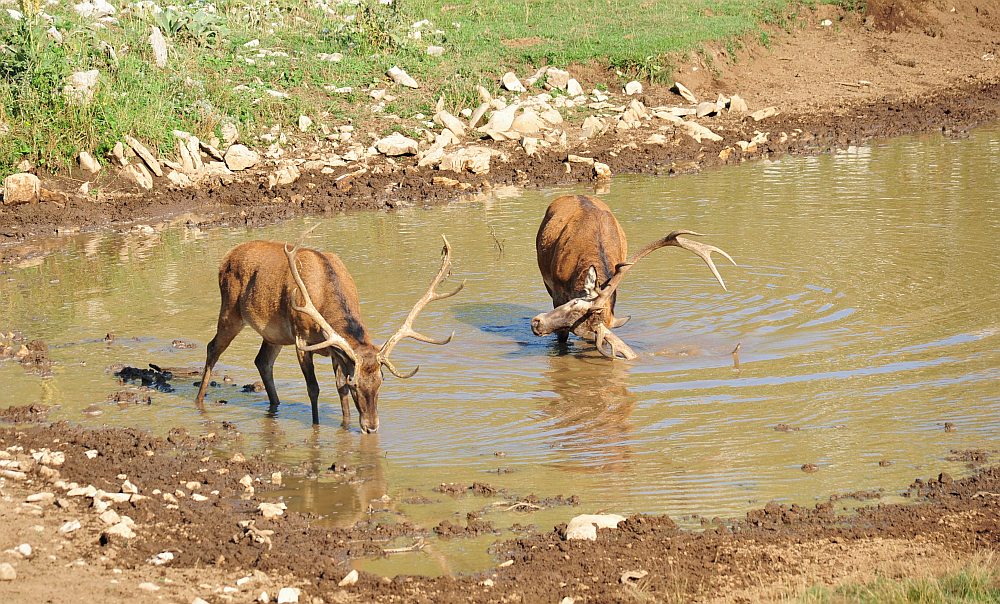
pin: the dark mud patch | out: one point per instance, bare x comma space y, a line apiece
153, 378
474, 526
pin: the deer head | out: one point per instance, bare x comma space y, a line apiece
590, 316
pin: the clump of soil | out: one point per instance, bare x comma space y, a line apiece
125, 398
474, 526
974, 457
24, 413
153, 378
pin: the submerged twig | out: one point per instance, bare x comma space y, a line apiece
497, 241
419, 545
736, 356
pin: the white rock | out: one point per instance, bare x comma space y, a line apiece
230, 133
350, 579
198, 601
685, 93
285, 175
764, 113
240, 157
484, 95
330, 58
706, 108
401, 77
21, 188
159, 44
139, 175
697, 131
502, 120
511, 83
122, 529
602, 171
633, 87
198, 497
737, 104
24, 550
88, 163
179, 179
573, 88
825, 23
592, 125
435, 51
39, 497
474, 159
80, 86
161, 558
478, 114
276, 478
7, 572
271, 510
527, 123
146, 155
396, 144
110, 517
69, 527
128, 487
585, 526
264, 598
557, 78
288, 595
450, 122
305, 122
147, 586
94, 9
530, 145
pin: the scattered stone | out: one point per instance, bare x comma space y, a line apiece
335, 57
159, 44
80, 86
501, 120
7, 572
240, 157
146, 155
592, 126
450, 122
272, 510
24, 550
161, 558
602, 171
557, 78
40, 497
585, 526
682, 90
474, 159
21, 188
530, 145
88, 163
737, 104
122, 529
69, 527
150, 587
633, 87
230, 133
288, 595
706, 108
697, 131
396, 144
573, 88
139, 175
305, 122
110, 517
350, 579
630, 576
435, 51
401, 77
765, 113
510, 82
118, 152
276, 478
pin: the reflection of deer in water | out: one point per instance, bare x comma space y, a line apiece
582, 254
591, 409
344, 501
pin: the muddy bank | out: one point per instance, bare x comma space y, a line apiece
837, 79
212, 515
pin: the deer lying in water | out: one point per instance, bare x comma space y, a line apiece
582, 256
261, 283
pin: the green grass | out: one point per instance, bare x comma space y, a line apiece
978, 581
214, 77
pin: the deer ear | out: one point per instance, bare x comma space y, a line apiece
621, 321
591, 283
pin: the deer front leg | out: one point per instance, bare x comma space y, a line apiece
312, 385
344, 391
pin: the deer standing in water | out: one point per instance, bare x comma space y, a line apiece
261, 283
582, 254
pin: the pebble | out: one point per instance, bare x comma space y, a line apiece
350, 579
271, 510
69, 527
289, 595
24, 550
198, 497
37, 497
147, 586
7, 572
264, 597
198, 601
128, 487
110, 517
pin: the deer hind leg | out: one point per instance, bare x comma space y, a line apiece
265, 365
229, 327
344, 391
312, 386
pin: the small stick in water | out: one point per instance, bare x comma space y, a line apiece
736, 356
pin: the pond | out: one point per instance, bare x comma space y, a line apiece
865, 303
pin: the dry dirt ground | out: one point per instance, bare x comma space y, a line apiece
908, 67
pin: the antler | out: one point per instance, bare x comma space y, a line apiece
615, 343
406, 331
332, 337
702, 250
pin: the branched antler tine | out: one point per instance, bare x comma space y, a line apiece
332, 337
617, 346
392, 369
704, 251
406, 330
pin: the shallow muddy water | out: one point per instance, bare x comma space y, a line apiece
865, 304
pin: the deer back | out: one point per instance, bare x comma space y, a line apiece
577, 232
255, 279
